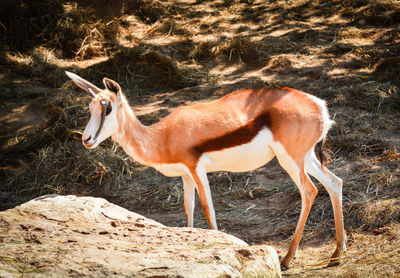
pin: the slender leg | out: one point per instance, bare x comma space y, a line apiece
333, 185
203, 188
307, 191
189, 197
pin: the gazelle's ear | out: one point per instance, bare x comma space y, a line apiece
83, 84
112, 86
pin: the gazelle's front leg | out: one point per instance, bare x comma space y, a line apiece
189, 187
203, 188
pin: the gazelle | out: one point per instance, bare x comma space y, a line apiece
238, 132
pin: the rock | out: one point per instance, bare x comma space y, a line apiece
64, 236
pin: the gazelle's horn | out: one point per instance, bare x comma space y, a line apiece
83, 84
91, 92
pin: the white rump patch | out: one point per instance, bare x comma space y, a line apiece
325, 114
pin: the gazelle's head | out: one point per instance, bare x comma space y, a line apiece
104, 106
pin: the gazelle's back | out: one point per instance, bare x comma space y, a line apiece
239, 107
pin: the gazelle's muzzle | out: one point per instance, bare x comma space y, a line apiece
88, 142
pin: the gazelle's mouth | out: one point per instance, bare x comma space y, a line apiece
89, 142
89, 145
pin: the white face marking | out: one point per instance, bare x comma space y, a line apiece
243, 158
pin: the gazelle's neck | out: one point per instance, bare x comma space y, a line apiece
133, 136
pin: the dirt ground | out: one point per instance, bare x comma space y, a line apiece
170, 53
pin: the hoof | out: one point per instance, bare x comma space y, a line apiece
335, 259
284, 266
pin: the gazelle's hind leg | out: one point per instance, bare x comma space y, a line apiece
333, 185
308, 191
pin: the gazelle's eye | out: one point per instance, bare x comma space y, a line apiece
107, 105
108, 109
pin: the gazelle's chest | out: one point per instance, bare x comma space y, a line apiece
242, 158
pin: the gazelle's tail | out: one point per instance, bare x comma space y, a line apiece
322, 155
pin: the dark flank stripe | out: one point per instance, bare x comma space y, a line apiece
237, 137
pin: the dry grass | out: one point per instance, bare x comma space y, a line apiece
368, 256
236, 50
80, 34
75, 32
160, 68
372, 12
148, 11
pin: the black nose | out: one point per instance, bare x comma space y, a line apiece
87, 139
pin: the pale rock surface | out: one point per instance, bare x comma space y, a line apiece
68, 236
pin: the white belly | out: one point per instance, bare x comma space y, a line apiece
172, 169
243, 158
